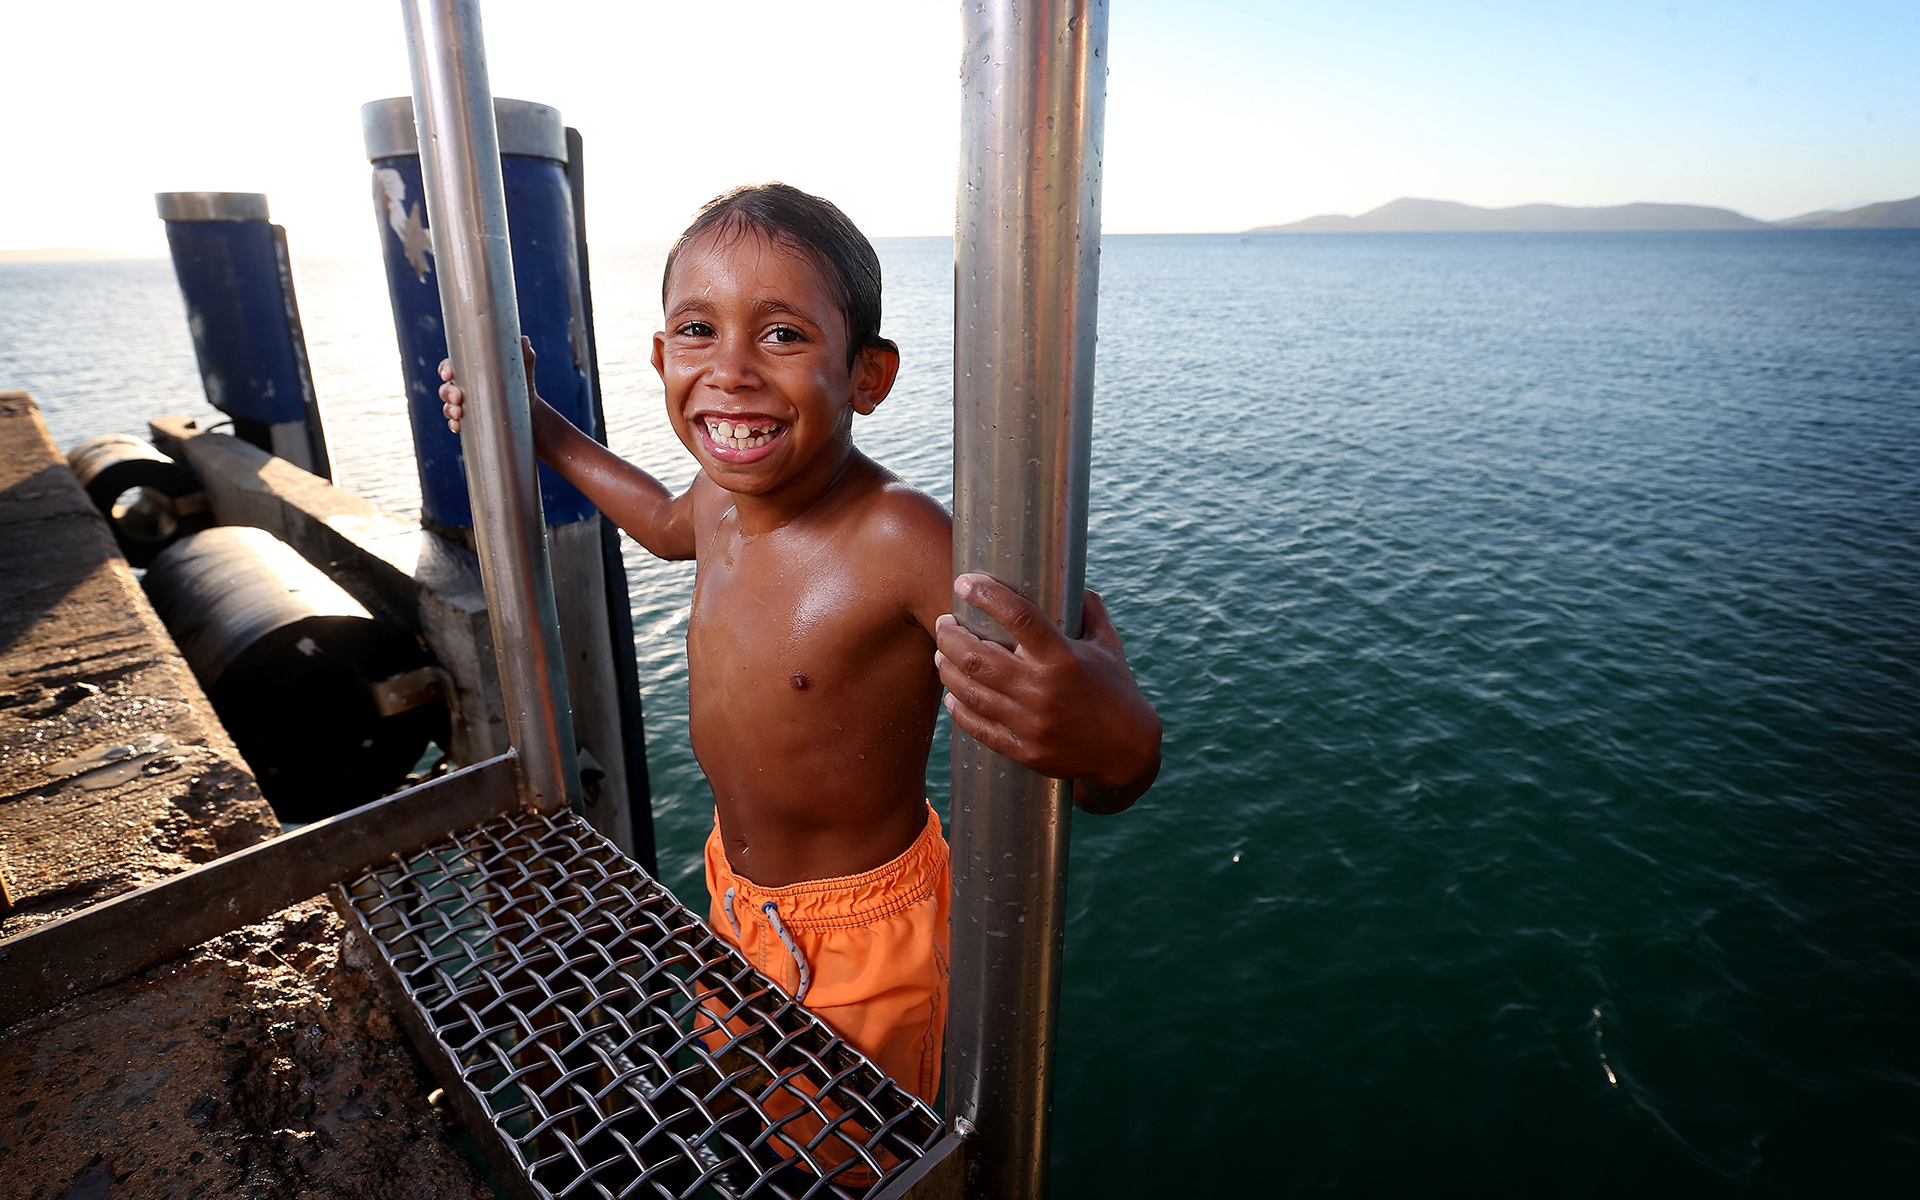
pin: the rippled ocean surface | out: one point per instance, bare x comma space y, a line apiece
1535, 619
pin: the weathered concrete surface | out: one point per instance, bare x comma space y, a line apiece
113, 770
260, 1064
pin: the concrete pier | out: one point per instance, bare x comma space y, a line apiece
260, 1064
113, 770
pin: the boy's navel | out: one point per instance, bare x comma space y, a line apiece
800, 682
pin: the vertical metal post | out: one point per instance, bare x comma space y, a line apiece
467, 215
1026, 277
625, 663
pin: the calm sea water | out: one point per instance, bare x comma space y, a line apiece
1535, 619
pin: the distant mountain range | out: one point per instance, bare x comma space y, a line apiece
1888, 214
1408, 215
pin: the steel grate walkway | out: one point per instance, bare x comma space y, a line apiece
599, 1041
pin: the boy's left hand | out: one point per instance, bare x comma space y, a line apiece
1067, 708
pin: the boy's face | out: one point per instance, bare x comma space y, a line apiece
754, 359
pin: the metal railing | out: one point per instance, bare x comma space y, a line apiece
467, 215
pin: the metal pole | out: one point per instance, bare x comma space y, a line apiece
1026, 276
467, 214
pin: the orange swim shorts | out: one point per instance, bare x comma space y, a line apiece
868, 952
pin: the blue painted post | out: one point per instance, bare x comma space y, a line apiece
543, 239
540, 208
237, 280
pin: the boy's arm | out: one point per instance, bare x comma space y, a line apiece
1067, 708
633, 499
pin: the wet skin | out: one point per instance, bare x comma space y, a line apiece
820, 635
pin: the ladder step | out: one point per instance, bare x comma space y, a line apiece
599, 1041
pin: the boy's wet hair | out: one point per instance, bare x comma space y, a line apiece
816, 228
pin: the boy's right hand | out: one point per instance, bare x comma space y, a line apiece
1066, 707
453, 401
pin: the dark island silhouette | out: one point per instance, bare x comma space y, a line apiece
1409, 215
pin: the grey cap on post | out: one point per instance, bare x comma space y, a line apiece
525, 128
211, 206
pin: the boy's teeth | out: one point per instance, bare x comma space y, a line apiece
740, 435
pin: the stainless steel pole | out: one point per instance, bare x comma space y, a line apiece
1026, 277
467, 214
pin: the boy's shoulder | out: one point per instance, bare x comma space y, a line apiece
891, 513
903, 510
902, 541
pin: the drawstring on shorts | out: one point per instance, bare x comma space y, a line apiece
780, 928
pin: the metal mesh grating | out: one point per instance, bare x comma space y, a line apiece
606, 1042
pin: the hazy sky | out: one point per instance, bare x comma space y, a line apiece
1221, 115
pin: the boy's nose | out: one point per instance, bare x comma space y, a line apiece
731, 367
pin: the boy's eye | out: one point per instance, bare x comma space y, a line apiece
785, 334
699, 329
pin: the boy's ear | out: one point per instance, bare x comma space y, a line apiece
660, 355
873, 375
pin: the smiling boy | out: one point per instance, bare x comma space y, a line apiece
821, 632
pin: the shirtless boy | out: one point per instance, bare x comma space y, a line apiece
820, 634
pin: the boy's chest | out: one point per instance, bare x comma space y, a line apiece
795, 621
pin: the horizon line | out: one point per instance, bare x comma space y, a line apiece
105, 254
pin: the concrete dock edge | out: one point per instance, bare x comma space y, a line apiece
262, 1063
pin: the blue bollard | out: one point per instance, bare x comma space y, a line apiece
552, 293
546, 277
237, 280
